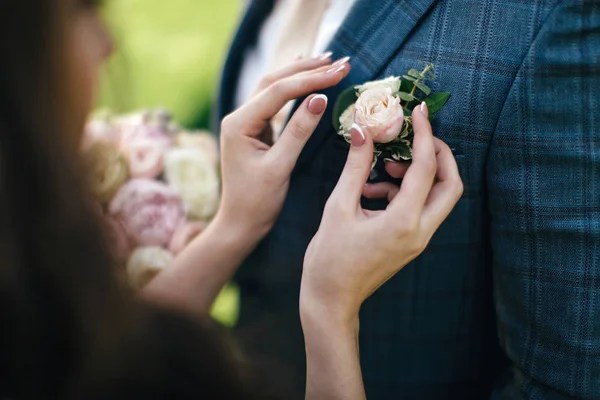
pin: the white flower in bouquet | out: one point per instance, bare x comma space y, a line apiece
150, 211
145, 263
100, 130
107, 170
194, 175
202, 140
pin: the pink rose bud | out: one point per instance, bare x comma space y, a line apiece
145, 158
150, 211
379, 114
184, 235
145, 263
144, 148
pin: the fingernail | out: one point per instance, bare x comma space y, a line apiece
335, 69
342, 61
358, 137
324, 56
389, 160
317, 104
424, 109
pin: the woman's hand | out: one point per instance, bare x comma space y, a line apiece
255, 174
255, 183
355, 251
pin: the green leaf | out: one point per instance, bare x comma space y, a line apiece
414, 73
406, 86
406, 96
436, 101
409, 78
344, 100
400, 150
424, 88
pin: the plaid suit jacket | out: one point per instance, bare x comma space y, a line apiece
505, 301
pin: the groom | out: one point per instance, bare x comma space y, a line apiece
505, 302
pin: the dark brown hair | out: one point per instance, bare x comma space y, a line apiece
69, 330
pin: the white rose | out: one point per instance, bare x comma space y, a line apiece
145, 263
379, 114
393, 83
202, 140
100, 130
194, 175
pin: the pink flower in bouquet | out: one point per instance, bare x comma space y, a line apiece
150, 211
145, 263
185, 234
379, 113
144, 148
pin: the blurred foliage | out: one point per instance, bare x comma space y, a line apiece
170, 53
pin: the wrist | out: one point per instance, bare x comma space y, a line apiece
318, 315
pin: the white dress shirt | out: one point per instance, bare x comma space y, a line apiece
259, 58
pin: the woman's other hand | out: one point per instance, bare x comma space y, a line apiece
255, 174
355, 251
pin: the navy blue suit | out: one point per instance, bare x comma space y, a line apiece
505, 301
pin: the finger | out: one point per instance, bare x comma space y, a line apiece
298, 66
418, 179
269, 102
445, 192
383, 190
287, 149
349, 188
396, 169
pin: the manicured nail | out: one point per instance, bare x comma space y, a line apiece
358, 137
389, 160
424, 109
317, 104
324, 56
342, 61
335, 69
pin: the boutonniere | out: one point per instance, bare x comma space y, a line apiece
383, 110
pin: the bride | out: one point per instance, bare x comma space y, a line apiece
69, 330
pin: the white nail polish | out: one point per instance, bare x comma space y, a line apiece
423, 107
325, 56
359, 130
335, 69
319, 96
342, 61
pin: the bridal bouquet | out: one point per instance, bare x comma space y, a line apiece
383, 111
156, 184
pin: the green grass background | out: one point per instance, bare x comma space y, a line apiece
170, 53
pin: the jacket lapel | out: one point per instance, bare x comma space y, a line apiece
372, 36
246, 36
